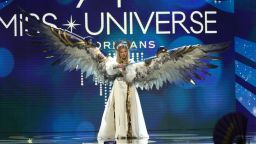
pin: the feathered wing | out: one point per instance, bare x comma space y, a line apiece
181, 65
70, 50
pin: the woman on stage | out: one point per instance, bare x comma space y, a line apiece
123, 117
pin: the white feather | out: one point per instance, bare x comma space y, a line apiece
110, 66
130, 73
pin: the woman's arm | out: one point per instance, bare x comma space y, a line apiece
130, 72
112, 66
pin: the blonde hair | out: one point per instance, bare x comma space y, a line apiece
118, 58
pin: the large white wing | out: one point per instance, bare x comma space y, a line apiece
180, 65
70, 50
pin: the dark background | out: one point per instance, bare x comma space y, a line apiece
37, 97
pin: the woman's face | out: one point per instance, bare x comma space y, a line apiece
123, 53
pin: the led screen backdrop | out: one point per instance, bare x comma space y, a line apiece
245, 47
38, 97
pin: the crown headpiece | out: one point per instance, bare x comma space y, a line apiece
122, 43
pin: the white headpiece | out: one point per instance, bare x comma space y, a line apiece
122, 44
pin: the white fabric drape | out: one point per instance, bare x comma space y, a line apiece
116, 116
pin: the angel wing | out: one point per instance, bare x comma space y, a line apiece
180, 65
70, 50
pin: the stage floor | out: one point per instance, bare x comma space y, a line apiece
90, 138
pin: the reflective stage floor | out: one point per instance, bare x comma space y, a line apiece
193, 137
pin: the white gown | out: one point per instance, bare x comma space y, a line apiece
123, 108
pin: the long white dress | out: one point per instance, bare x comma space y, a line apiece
123, 116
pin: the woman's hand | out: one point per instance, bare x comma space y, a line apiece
122, 66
